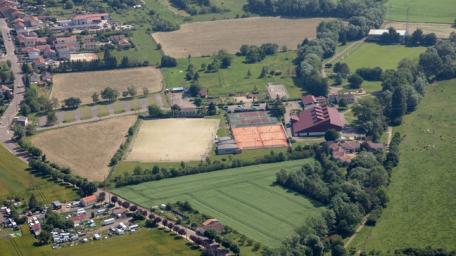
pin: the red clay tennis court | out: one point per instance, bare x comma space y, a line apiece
260, 136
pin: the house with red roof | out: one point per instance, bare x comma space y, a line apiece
309, 100
88, 200
316, 120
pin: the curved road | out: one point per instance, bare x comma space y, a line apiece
13, 108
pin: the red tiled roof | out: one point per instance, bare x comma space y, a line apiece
79, 218
93, 16
89, 199
308, 100
310, 119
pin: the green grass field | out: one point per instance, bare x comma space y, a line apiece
234, 79
439, 11
384, 56
242, 198
15, 180
422, 207
144, 242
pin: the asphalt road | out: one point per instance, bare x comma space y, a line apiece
13, 108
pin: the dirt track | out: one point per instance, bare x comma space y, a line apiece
441, 30
85, 148
205, 38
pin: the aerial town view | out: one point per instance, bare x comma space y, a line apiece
227, 127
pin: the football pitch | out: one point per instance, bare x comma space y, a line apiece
242, 198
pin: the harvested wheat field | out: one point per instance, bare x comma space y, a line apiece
84, 84
173, 140
207, 37
441, 30
85, 148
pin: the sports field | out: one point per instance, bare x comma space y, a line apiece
242, 198
206, 38
422, 207
84, 84
146, 242
440, 11
16, 180
173, 140
85, 148
384, 56
265, 136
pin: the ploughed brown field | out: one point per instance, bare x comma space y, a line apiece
207, 37
440, 29
83, 84
86, 148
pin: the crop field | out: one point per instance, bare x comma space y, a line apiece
384, 56
145, 242
440, 29
440, 11
84, 84
205, 38
173, 140
85, 148
422, 206
242, 198
235, 79
16, 180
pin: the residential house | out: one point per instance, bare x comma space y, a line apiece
373, 147
46, 77
316, 120
210, 224
65, 46
86, 21
35, 79
89, 43
39, 63
21, 120
309, 100
88, 200
6, 92
346, 97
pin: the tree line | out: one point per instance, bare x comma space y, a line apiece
140, 175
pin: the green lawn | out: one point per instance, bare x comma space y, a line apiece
384, 56
234, 79
15, 180
439, 11
242, 198
144, 242
422, 207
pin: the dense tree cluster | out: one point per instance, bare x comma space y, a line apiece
370, 74
168, 61
255, 54
34, 103
195, 7
369, 117
419, 38
220, 60
348, 193
362, 15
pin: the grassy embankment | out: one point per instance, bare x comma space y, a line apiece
422, 207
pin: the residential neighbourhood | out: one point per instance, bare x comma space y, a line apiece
241, 127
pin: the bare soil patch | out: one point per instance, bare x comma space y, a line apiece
173, 140
83, 57
440, 29
85, 148
205, 38
84, 84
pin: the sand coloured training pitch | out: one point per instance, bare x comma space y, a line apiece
260, 136
173, 140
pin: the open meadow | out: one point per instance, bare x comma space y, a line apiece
235, 79
15, 180
173, 140
83, 84
440, 11
422, 206
206, 38
146, 242
242, 198
85, 148
384, 56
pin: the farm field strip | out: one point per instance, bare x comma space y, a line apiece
206, 38
243, 198
439, 11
